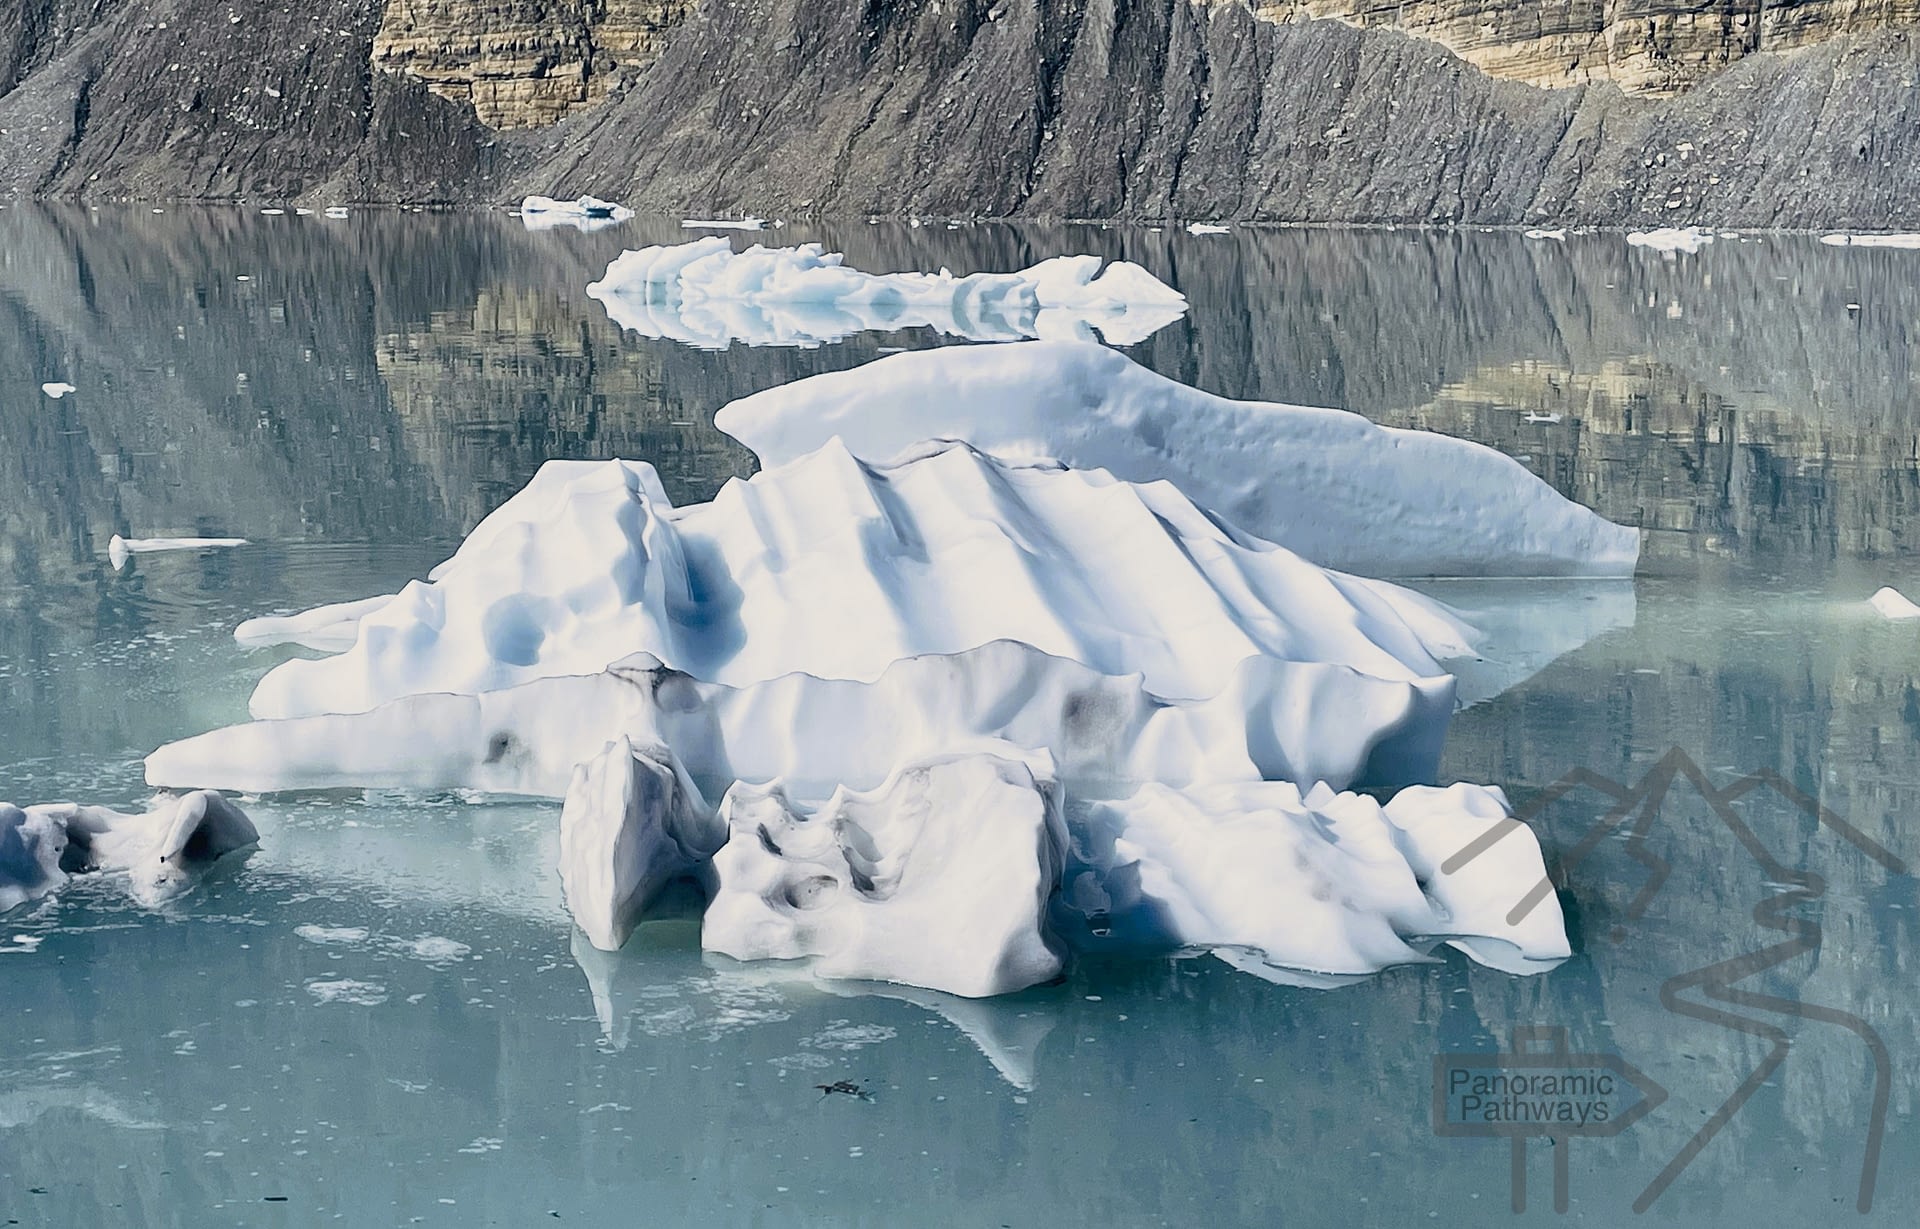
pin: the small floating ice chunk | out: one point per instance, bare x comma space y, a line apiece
1890, 603
705, 294
1206, 228
939, 878
1534, 416
120, 549
337, 212
723, 224
1557, 235
57, 389
1671, 239
327, 628
162, 850
32, 845
1907, 241
586, 213
632, 823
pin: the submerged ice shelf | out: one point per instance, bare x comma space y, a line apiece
705, 294
1327, 484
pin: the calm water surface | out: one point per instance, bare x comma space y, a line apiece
381, 1018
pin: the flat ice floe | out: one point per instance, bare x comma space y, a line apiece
1327, 484
705, 294
1890, 603
837, 568
1105, 732
586, 213
1671, 239
120, 550
1906, 241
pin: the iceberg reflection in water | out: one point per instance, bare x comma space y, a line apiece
706, 295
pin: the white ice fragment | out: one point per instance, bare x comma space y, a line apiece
57, 389
1671, 239
328, 628
120, 549
1557, 235
32, 844
1323, 884
632, 823
705, 294
1327, 484
1206, 228
586, 213
336, 212
1272, 720
162, 850
1890, 603
1907, 241
723, 224
837, 568
939, 878
1535, 416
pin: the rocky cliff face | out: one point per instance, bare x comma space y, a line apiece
523, 63
1037, 108
1643, 46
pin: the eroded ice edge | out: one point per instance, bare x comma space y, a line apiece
707, 295
943, 713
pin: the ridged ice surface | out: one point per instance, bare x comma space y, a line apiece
1326, 483
837, 568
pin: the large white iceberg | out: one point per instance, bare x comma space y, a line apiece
1327, 484
837, 568
1105, 732
705, 294
939, 878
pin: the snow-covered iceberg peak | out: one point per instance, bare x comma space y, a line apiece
705, 294
837, 568
939, 878
1328, 484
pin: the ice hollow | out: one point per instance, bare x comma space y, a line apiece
1272, 720
837, 568
705, 294
1327, 484
633, 823
939, 878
